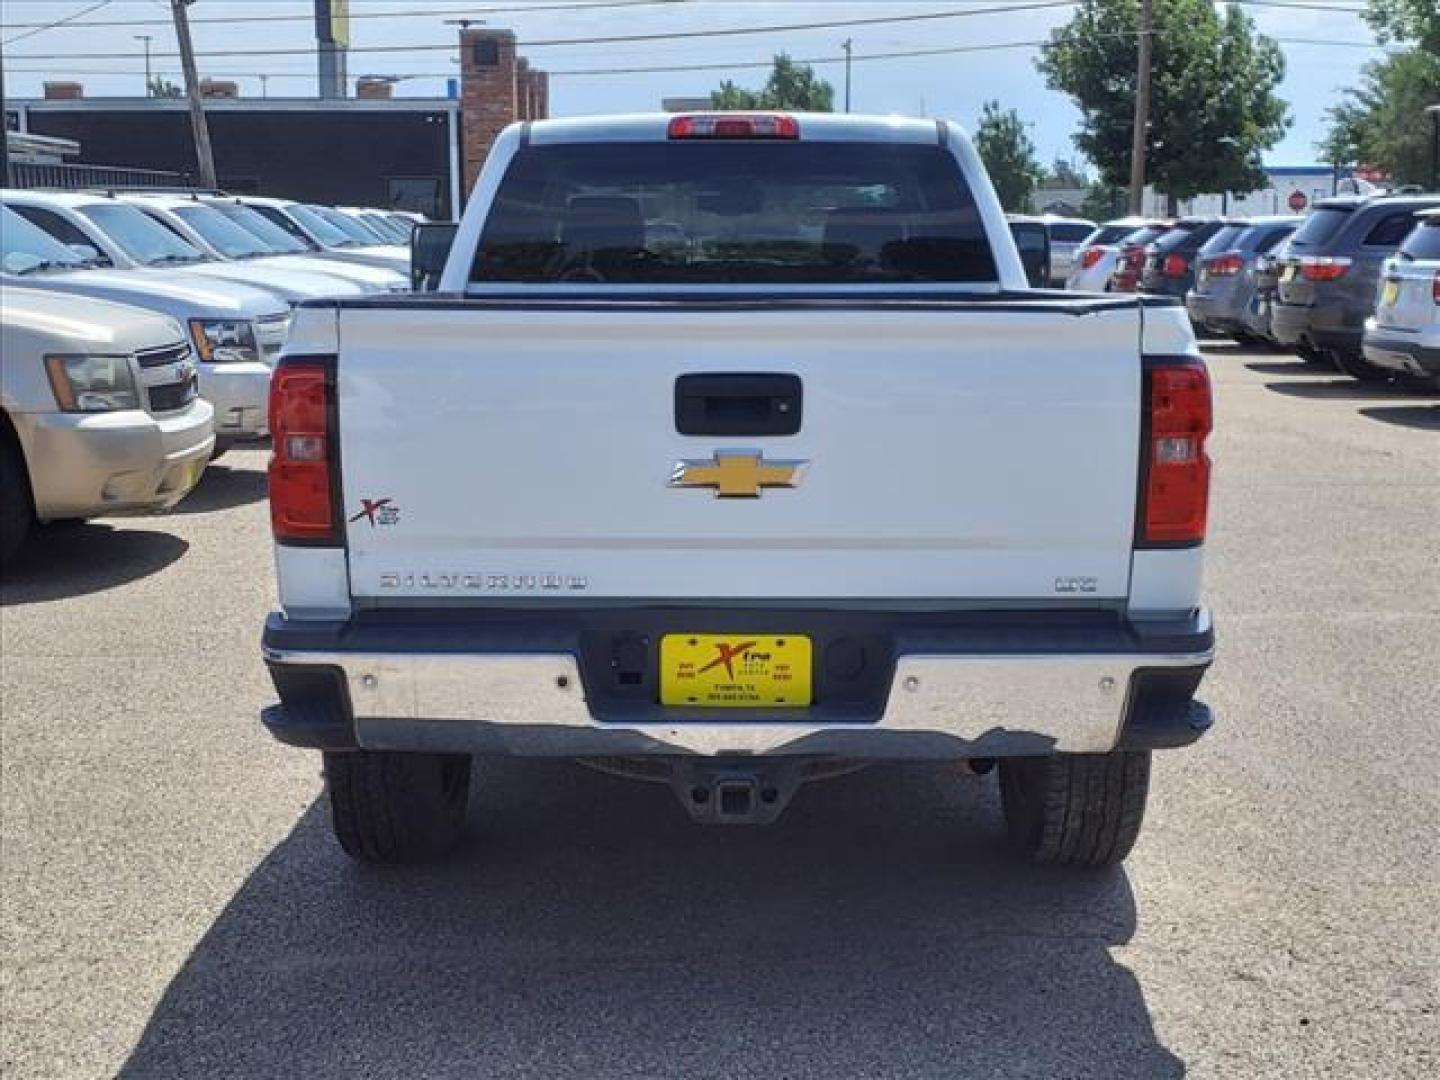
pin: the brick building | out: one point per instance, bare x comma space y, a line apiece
373, 149
497, 87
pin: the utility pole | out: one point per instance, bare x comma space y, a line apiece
146, 39
192, 90
1142, 109
846, 46
1434, 111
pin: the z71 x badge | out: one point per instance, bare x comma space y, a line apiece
377, 512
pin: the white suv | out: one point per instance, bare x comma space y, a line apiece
1404, 333
99, 413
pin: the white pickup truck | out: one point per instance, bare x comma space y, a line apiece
733, 452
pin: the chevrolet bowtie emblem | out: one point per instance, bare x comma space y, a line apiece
737, 474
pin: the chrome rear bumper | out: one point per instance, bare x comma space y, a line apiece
534, 703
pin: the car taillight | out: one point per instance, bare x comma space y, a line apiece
1323, 267
1435, 288
1090, 256
1175, 471
1175, 266
1224, 265
734, 126
1135, 258
302, 490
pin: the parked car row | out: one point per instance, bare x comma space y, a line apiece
140, 329
1353, 285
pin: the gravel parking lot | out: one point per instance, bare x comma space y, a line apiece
173, 904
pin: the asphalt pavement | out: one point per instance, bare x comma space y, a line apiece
172, 904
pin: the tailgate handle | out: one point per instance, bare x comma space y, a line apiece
735, 403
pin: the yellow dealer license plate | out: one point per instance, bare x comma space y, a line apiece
735, 671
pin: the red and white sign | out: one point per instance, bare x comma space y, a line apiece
1297, 200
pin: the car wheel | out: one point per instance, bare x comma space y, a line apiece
1075, 809
17, 510
1357, 367
389, 807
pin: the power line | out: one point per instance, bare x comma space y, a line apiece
708, 66
40, 28
614, 39
310, 16
1339, 7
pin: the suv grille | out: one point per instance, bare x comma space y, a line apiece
168, 376
166, 354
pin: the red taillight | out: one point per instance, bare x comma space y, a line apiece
302, 505
1134, 257
1175, 266
1224, 265
734, 126
1323, 268
1090, 256
1435, 288
1175, 485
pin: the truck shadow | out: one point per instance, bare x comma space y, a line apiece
224, 487
589, 930
63, 561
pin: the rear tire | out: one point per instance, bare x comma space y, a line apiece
389, 808
17, 510
1075, 809
1357, 367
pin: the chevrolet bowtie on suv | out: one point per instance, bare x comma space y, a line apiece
734, 451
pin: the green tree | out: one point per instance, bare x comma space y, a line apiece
1406, 20
1004, 145
1382, 123
161, 87
1213, 108
790, 86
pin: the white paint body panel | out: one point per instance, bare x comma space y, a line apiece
964, 453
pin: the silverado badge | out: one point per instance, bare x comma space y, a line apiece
737, 474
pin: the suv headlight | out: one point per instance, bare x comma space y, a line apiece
88, 384
225, 341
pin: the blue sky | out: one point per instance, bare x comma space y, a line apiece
953, 86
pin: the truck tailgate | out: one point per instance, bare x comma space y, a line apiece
970, 452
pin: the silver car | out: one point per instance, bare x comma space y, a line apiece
1066, 237
1404, 334
1093, 261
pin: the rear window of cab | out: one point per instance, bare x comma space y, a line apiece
733, 212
